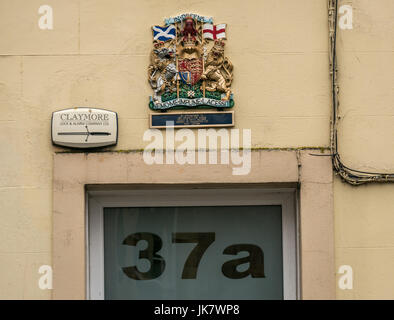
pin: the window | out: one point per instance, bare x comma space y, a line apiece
192, 244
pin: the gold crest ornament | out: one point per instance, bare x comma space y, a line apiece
188, 67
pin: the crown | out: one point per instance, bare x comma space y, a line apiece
158, 44
219, 45
189, 41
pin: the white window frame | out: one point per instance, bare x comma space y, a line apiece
97, 200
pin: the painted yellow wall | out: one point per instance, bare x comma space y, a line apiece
364, 216
97, 55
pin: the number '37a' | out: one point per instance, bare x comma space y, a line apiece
203, 240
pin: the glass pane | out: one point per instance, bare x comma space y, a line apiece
193, 253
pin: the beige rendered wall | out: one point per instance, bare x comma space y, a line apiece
364, 216
97, 55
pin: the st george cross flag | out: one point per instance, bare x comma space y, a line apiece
213, 32
164, 33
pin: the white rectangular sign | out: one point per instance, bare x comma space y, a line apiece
84, 128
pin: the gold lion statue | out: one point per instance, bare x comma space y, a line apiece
218, 73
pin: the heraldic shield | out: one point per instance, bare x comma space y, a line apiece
188, 67
190, 71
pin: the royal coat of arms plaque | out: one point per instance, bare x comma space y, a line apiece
189, 70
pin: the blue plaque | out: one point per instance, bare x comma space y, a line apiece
192, 119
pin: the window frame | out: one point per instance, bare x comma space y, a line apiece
97, 200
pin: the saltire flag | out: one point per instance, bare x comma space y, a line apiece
164, 33
214, 32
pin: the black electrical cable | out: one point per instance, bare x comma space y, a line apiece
352, 176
